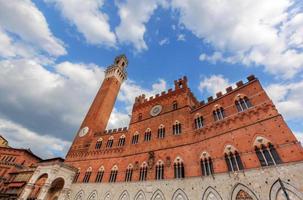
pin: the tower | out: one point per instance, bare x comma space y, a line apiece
99, 112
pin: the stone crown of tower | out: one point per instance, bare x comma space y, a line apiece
117, 69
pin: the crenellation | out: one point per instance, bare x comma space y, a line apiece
229, 89
251, 78
219, 94
210, 99
239, 84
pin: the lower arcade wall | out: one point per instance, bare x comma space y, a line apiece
258, 184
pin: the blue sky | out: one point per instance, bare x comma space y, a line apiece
53, 53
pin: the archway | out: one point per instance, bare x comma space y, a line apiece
55, 189
37, 187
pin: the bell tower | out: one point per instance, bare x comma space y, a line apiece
99, 112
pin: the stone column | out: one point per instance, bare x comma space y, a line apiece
43, 192
27, 191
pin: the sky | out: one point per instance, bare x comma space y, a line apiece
53, 54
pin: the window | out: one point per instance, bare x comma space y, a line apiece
206, 164
129, 173
243, 104
121, 141
135, 138
147, 135
98, 143
179, 168
218, 114
143, 172
161, 131
177, 128
159, 170
76, 176
233, 161
87, 175
110, 142
113, 174
100, 175
266, 152
199, 122
175, 105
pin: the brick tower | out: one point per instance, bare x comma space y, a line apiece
98, 114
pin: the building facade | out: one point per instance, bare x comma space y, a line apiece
234, 146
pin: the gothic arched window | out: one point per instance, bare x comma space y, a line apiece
110, 142
242, 103
199, 122
175, 105
161, 131
159, 170
99, 143
113, 174
179, 168
76, 176
129, 173
121, 141
147, 135
233, 159
177, 128
266, 152
87, 175
206, 164
143, 172
135, 138
218, 113
100, 175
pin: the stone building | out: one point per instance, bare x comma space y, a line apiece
234, 146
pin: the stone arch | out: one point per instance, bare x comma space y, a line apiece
93, 195
242, 190
276, 192
124, 195
38, 182
140, 196
158, 195
211, 194
260, 140
56, 187
179, 195
108, 196
79, 195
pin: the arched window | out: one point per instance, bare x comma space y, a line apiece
143, 172
218, 113
175, 105
113, 174
147, 135
266, 152
179, 168
242, 103
140, 117
121, 141
206, 164
76, 176
87, 175
110, 142
177, 128
161, 131
135, 138
199, 122
99, 143
129, 173
160, 170
100, 175
232, 159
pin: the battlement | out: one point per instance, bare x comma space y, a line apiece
179, 85
228, 90
116, 130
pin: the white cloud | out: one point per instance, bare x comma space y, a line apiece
134, 15
181, 37
88, 19
164, 41
20, 137
263, 33
24, 22
214, 84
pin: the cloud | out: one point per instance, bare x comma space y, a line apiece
24, 31
263, 33
134, 15
88, 19
164, 41
43, 146
181, 37
214, 84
